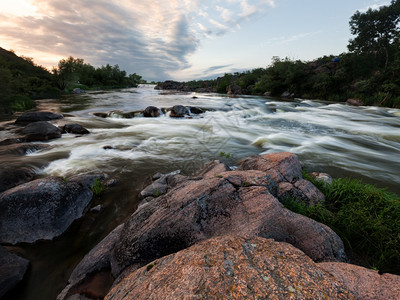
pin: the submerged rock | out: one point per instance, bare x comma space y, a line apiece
30, 117
41, 209
12, 270
41, 131
232, 267
13, 176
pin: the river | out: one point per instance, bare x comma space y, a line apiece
345, 141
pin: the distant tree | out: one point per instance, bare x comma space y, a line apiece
376, 30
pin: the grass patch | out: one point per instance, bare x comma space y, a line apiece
367, 219
97, 187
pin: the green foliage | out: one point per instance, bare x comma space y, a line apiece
97, 187
19, 102
364, 216
375, 30
73, 72
21, 81
225, 155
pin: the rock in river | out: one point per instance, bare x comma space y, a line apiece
41, 131
30, 117
41, 209
178, 111
74, 128
151, 112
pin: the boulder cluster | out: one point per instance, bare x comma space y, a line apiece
224, 234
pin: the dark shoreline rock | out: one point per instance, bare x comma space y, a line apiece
12, 270
95, 262
41, 209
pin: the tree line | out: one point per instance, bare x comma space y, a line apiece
370, 70
22, 81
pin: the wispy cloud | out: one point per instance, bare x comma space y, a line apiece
153, 38
374, 6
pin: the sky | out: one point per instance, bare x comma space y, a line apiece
177, 39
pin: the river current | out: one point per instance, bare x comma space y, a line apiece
345, 141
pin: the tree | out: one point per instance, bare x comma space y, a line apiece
375, 30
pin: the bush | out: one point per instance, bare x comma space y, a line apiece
19, 103
364, 216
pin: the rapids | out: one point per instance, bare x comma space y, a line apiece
345, 141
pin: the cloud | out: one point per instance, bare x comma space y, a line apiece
374, 6
214, 68
153, 38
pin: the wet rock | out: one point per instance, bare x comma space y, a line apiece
151, 112
74, 128
101, 115
195, 110
178, 111
162, 183
197, 209
232, 267
78, 91
41, 209
12, 141
96, 209
364, 283
13, 176
22, 148
41, 131
355, 102
12, 270
94, 267
30, 117
324, 177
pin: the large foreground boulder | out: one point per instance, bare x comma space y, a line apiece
41, 209
12, 270
365, 284
233, 202
41, 131
232, 267
37, 116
